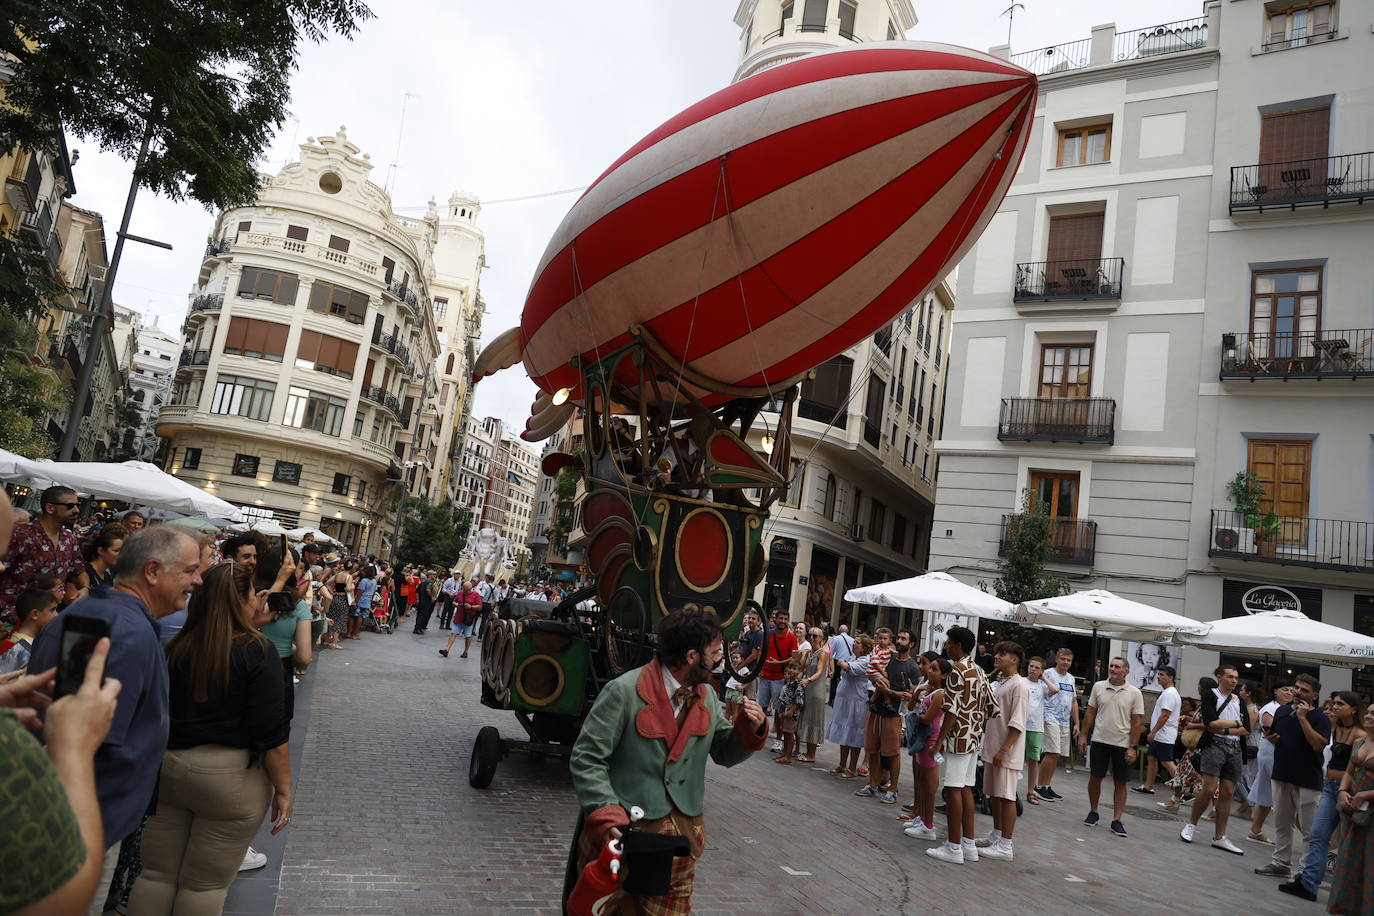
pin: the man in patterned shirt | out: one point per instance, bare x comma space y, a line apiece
969, 704
44, 546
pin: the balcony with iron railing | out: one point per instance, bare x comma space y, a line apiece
1152, 41
873, 433
1072, 540
207, 302
403, 293
1316, 543
1317, 354
376, 395
1299, 38
1081, 420
821, 412
215, 249
1069, 279
193, 358
1071, 55
1288, 185
1107, 45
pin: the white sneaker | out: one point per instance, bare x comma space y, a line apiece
777, 747
999, 850
970, 851
919, 831
986, 841
252, 859
1186, 834
947, 853
1226, 844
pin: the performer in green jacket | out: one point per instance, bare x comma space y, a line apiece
645, 743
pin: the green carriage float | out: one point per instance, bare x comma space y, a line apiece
673, 509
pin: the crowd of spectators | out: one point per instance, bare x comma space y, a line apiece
987, 726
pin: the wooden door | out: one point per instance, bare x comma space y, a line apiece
1057, 493
1284, 468
1074, 253
1066, 372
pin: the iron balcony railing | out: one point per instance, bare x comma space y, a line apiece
1297, 183
377, 396
883, 339
208, 302
1071, 55
1081, 420
873, 434
73, 354
1072, 540
1073, 278
402, 293
194, 358
1169, 38
1317, 543
823, 413
1299, 38
215, 249
1324, 353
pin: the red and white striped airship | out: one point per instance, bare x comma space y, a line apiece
774, 224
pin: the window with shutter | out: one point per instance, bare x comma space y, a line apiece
1293, 150
367, 374
233, 339
299, 233
338, 243
389, 266
1284, 469
1074, 252
1298, 24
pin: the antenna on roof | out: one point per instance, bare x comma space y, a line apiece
295, 133
1010, 13
400, 133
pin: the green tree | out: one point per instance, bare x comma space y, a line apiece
206, 81
1023, 576
433, 535
29, 391
564, 508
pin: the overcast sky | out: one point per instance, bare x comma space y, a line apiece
513, 99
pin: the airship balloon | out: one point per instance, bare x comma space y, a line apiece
776, 223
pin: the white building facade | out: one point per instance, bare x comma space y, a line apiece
1164, 300
309, 348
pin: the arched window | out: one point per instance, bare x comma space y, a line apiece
448, 369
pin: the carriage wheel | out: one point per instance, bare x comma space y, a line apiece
486, 754
623, 631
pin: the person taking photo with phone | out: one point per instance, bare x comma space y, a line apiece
157, 569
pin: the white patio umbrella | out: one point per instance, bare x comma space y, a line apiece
130, 481
1290, 635
266, 526
1106, 614
298, 534
935, 591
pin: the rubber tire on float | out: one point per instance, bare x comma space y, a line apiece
486, 754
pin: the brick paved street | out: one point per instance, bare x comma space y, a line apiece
386, 823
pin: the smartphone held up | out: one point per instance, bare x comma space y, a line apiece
79, 638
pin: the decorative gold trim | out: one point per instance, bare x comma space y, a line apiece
520, 688
729, 549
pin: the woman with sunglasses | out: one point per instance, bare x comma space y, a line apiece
817, 669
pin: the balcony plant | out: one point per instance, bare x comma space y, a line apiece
1266, 528
1246, 491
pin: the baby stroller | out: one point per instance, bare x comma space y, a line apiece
980, 800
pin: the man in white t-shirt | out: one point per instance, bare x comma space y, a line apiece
1163, 731
1061, 723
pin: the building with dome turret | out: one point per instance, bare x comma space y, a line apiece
308, 383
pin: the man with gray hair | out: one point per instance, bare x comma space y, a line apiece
156, 571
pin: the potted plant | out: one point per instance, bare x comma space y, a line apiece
1246, 491
1266, 528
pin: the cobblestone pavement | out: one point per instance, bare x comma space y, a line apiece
386, 823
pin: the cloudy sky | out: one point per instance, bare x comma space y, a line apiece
515, 99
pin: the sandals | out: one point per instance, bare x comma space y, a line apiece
842, 773
863, 771
1031, 799
1260, 838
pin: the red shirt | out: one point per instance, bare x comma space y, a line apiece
777, 651
32, 554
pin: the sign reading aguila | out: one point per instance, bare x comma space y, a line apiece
1269, 598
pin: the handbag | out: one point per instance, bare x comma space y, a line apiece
1190, 737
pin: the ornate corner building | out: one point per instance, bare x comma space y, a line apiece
313, 379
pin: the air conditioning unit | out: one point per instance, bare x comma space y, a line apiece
856, 532
1233, 539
